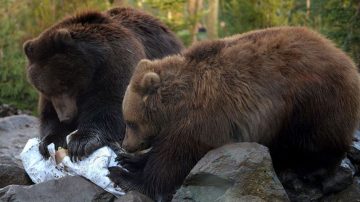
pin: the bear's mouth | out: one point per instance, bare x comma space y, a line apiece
143, 151
65, 107
142, 148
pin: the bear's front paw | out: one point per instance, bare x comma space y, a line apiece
58, 140
82, 144
43, 148
121, 178
131, 162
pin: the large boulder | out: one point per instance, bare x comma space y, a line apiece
321, 184
354, 153
133, 196
70, 188
234, 172
317, 186
11, 173
14, 133
351, 193
342, 178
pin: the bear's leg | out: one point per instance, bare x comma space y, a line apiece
126, 180
133, 163
99, 125
51, 129
165, 170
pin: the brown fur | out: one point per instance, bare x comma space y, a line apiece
287, 88
81, 67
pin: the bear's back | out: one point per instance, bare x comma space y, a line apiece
158, 40
276, 56
271, 73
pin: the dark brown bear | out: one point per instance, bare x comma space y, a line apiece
287, 88
81, 67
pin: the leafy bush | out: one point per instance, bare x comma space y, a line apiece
24, 19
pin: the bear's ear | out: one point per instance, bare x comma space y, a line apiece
150, 82
28, 48
62, 37
91, 17
143, 64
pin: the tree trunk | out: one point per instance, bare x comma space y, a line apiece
194, 7
308, 3
212, 19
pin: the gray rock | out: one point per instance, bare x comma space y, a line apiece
299, 189
66, 189
103, 196
17, 122
315, 186
354, 153
342, 178
234, 172
13, 174
8, 110
14, 133
351, 193
133, 196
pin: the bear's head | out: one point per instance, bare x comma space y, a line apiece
150, 101
64, 58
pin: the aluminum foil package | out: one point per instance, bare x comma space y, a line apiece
94, 167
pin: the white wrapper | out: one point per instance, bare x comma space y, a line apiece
94, 167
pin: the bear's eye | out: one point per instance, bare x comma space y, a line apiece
132, 125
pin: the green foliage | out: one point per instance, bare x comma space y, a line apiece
14, 88
342, 24
239, 16
339, 20
21, 20
24, 19
171, 12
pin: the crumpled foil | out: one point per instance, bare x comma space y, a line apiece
94, 167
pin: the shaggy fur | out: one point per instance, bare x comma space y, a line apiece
81, 67
287, 88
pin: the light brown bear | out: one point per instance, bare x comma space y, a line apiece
287, 88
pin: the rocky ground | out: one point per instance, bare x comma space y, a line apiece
14, 133
8, 110
235, 172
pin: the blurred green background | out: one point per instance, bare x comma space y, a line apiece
191, 20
